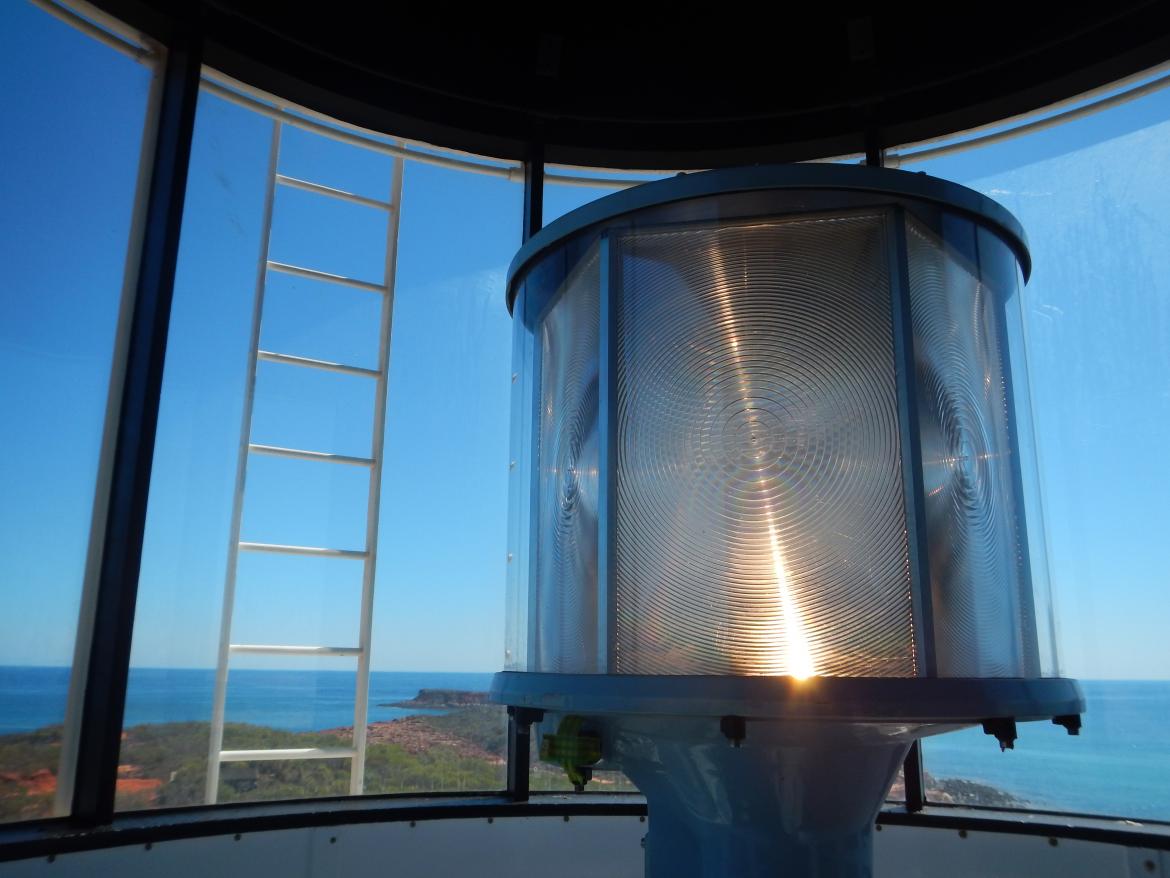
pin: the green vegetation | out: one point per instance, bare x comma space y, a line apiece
164, 765
28, 762
957, 791
484, 725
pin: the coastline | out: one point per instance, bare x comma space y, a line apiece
460, 748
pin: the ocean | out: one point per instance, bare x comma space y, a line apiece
1119, 765
296, 701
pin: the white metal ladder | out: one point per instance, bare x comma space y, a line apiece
357, 752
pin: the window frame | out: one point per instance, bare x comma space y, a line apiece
108, 609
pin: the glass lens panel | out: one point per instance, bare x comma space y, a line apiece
73, 111
981, 594
566, 580
759, 514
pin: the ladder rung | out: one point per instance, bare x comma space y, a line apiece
313, 274
295, 753
298, 454
341, 194
289, 359
266, 649
301, 550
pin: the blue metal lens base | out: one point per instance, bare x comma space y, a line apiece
755, 776
792, 798
917, 700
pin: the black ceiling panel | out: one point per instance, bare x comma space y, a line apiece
704, 86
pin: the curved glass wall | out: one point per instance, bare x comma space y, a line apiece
434, 607
74, 113
1093, 196
1094, 318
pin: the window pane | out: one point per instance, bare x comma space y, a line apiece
439, 584
176, 631
73, 112
441, 562
560, 198
897, 791
1092, 196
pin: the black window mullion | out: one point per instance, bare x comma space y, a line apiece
100, 730
520, 719
912, 779
533, 192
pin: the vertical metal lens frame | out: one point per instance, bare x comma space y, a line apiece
108, 662
911, 445
607, 436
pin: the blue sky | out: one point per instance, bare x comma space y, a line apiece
1091, 194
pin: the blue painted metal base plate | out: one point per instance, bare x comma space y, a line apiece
865, 699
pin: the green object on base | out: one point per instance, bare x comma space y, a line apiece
573, 750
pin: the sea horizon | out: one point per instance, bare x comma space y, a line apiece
1119, 765
303, 700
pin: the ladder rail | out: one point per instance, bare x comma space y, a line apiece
328, 277
311, 363
283, 754
279, 649
377, 453
303, 454
312, 551
229, 589
331, 192
362, 652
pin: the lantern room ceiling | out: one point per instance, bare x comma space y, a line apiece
690, 85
